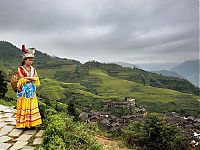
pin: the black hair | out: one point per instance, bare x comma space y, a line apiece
23, 62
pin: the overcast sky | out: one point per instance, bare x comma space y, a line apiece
104, 30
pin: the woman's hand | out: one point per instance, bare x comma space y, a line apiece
30, 78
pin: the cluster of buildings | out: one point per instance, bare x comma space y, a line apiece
190, 126
107, 121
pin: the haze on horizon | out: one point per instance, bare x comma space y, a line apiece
131, 31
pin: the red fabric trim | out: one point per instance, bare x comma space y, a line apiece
22, 71
27, 114
24, 49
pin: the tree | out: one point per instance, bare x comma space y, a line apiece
71, 109
3, 85
143, 80
155, 133
159, 132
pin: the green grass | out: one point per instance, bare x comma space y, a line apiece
50, 72
73, 85
11, 93
111, 86
54, 89
8, 103
51, 89
47, 72
8, 67
86, 93
118, 87
153, 99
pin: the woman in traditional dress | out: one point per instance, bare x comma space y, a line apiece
27, 114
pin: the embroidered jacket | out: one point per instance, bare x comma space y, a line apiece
24, 85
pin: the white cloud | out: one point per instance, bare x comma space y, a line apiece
106, 30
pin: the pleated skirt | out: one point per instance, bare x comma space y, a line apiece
27, 114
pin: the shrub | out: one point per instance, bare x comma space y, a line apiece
134, 134
56, 143
3, 85
62, 132
154, 133
159, 133
42, 108
180, 143
71, 109
61, 107
49, 111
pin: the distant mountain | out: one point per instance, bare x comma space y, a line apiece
158, 66
190, 70
151, 66
168, 73
125, 64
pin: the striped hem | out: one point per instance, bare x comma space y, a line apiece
26, 109
28, 120
26, 114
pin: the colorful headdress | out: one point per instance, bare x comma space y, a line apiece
27, 52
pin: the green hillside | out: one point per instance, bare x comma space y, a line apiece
94, 81
73, 71
146, 78
10, 59
154, 99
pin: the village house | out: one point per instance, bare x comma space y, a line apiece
114, 103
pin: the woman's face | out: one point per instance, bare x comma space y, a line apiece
29, 61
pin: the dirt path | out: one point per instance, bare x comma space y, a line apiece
110, 144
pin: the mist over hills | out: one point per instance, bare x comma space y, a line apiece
125, 64
151, 66
168, 73
188, 69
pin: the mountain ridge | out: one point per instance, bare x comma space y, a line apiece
190, 70
168, 73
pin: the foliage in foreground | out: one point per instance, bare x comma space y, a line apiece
154, 133
3, 85
61, 133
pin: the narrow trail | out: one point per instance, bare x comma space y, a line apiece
110, 144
